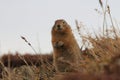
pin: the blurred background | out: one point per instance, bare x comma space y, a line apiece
34, 19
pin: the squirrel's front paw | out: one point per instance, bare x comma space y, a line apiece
58, 44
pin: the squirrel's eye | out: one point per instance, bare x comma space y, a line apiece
63, 22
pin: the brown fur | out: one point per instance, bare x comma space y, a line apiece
66, 54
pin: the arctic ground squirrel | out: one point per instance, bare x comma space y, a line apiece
66, 51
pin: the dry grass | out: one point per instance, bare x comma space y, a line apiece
98, 60
26, 66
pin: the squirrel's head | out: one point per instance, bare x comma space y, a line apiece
60, 26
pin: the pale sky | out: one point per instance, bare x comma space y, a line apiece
34, 20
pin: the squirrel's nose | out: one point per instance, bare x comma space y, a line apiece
59, 27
